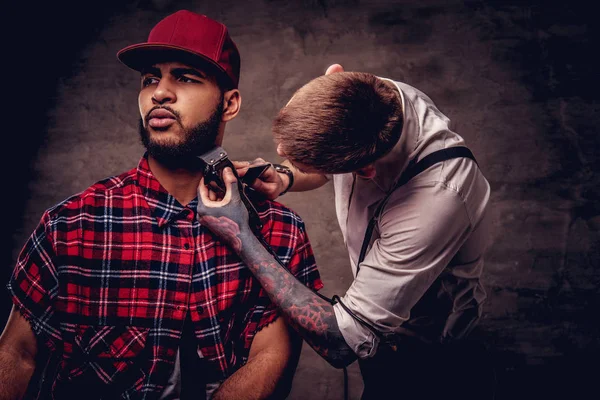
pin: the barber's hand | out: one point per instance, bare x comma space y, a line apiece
227, 218
270, 183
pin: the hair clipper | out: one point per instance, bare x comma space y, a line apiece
214, 161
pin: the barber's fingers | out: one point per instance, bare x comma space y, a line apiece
241, 167
204, 193
209, 198
269, 189
212, 195
270, 175
258, 161
260, 186
334, 68
229, 180
228, 177
213, 187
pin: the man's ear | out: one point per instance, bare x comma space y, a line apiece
232, 101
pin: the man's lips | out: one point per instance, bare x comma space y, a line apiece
161, 118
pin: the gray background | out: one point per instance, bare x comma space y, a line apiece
517, 79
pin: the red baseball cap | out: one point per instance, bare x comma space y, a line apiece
191, 38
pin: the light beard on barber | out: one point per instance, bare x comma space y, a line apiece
194, 141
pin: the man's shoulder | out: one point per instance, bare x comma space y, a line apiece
284, 230
277, 214
97, 194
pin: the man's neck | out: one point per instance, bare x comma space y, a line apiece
181, 183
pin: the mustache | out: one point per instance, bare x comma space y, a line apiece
169, 109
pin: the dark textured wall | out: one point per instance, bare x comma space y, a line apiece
517, 79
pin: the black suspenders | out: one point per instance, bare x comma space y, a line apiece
413, 169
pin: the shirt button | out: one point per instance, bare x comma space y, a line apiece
186, 246
200, 309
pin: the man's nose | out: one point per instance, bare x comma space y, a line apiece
163, 93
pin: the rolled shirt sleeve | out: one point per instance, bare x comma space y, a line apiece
420, 230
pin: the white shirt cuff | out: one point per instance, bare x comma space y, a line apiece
360, 339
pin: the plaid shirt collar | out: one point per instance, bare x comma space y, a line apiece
164, 207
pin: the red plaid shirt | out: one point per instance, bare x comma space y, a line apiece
108, 276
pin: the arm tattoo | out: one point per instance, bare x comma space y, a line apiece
224, 228
309, 314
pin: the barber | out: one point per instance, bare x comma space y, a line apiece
411, 203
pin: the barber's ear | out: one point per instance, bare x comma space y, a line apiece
232, 101
280, 151
332, 69
367, 172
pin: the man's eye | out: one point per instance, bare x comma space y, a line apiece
149, 81
185, 79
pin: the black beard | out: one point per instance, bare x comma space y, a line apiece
196, 140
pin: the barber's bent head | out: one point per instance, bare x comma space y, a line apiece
339, 123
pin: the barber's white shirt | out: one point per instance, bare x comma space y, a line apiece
421, 274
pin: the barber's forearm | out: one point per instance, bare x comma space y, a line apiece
263, 377
303, 182
15, 373
310, 315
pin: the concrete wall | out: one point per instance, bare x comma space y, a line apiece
514, 77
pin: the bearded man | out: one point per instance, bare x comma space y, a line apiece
120, 292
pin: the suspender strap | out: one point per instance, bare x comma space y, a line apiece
412, 170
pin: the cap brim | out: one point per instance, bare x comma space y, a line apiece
143, 55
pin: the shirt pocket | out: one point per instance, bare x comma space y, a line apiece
109, 358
